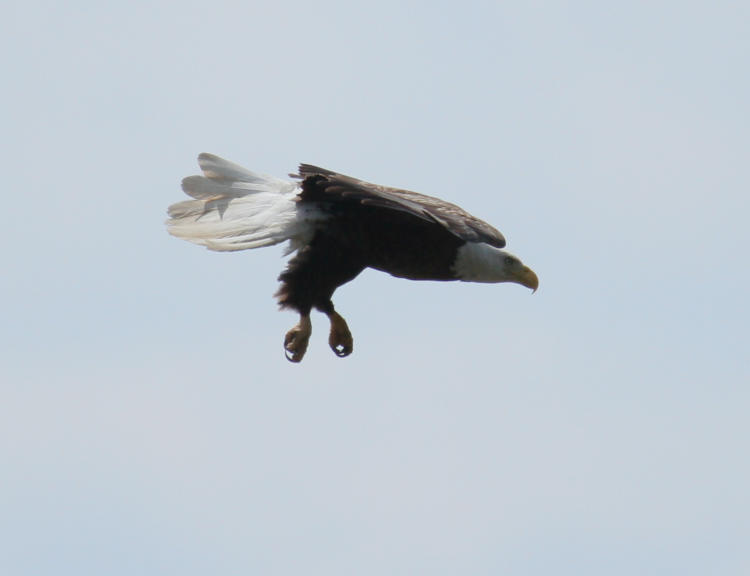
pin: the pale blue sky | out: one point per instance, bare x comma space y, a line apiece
149, 423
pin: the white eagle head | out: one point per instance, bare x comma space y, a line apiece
480, 262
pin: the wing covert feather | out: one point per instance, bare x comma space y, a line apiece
334, 186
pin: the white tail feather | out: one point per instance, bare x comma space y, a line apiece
235, 209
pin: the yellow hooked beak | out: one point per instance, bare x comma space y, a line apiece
526, 277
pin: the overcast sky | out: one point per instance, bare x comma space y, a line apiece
149, 423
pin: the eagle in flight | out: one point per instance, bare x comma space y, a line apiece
337, 226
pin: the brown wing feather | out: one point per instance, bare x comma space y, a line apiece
454, 219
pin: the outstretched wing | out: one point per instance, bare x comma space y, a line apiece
321, 184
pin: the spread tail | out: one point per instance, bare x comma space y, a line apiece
236, 209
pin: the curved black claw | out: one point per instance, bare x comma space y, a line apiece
340, 339
296, 341
341, 350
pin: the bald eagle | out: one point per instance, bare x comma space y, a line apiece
337, 226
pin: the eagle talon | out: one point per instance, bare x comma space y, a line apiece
341, 350
297, 339
294, 356
340, 339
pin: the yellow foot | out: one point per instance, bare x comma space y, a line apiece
340, 339
296, 340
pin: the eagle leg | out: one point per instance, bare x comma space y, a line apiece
340, 339
296, 340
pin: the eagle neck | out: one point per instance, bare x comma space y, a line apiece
479, 262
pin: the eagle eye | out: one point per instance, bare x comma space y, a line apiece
510, 261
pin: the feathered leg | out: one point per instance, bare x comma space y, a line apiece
296, 340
